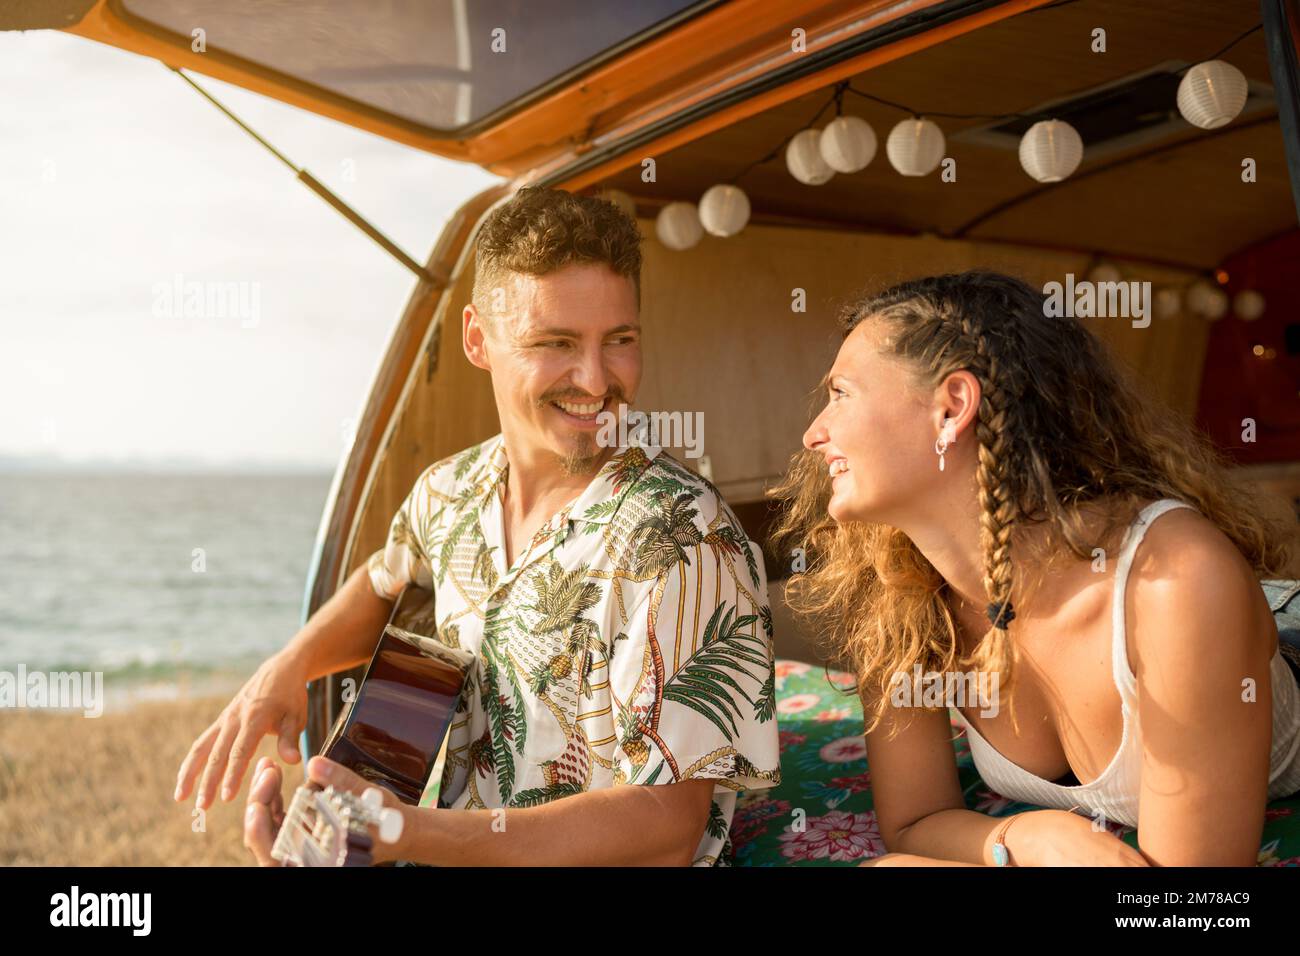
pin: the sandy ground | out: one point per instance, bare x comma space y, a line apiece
98, 792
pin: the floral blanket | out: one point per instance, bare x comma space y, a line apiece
821, 814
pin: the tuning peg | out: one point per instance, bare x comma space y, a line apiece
391, 823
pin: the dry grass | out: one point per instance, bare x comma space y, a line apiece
98, 792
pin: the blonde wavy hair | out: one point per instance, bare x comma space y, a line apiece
1065, 443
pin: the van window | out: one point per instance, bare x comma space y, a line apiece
444, 64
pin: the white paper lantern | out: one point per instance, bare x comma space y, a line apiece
1211, 94
1050, 150
1206, 300
1196, 296
724, 210
620, 199
678, 226
1216, 304
848, 144
1168, 303
1248, 305
1104, 272
803, 157
915, 147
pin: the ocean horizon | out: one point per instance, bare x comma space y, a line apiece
169, 583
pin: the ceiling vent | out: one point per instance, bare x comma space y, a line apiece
1128, 112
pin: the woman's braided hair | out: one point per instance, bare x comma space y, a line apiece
1059, 426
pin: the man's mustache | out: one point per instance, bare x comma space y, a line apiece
615, 393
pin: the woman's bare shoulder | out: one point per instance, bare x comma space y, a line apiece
1189, 588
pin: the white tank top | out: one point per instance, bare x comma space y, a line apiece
1114, 793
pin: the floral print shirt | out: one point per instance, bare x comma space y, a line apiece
629, 643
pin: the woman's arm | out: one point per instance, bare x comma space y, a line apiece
924, 821
1201, 636
1034, 838
918, 801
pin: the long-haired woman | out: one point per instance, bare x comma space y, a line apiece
985, 493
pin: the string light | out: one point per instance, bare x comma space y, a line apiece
724, 210
1050, 150
620, 199
678, 226
915, 147
848, 144
1168, 303
803, 157
1211, 94
1207, 301
1104, 272
1248, 305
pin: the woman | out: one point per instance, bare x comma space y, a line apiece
984, 491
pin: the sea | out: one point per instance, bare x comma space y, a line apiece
169, 584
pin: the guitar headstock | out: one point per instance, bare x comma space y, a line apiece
331, 827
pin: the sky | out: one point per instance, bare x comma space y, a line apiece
120, 186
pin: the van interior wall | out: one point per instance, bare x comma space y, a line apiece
446, 406
1252, 369
722, 338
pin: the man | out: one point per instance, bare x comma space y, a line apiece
623, 687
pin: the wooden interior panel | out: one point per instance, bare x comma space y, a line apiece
720, 336
447, 406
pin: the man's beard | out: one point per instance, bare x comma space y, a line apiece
585, 455
582, 459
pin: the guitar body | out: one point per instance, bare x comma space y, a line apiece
389, 734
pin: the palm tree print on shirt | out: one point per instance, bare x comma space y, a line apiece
630, 644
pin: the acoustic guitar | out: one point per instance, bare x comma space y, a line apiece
390, 734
